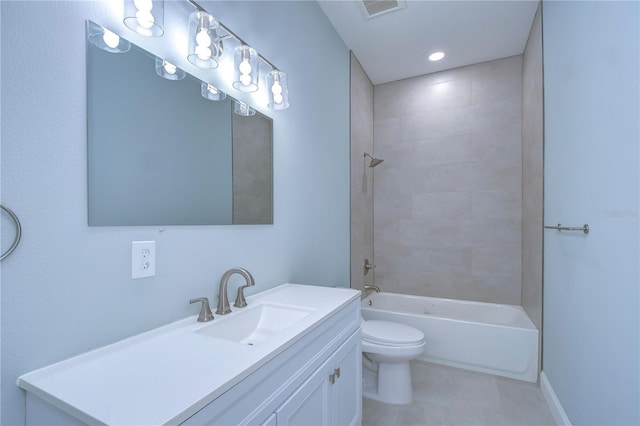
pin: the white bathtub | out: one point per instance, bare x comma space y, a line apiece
486, 337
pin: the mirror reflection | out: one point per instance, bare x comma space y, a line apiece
159, 153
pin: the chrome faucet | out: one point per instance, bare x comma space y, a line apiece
223, 300
372, 287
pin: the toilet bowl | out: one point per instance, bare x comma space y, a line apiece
387, 348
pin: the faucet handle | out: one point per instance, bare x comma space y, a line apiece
241, 302
366, 266
205, 310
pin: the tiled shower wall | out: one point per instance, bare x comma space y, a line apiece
532, 157
448, 198
361, 176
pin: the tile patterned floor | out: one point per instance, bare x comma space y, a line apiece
451, 396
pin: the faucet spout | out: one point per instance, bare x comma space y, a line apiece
223, 299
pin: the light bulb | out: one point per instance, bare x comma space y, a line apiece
278, 98
245, 67
276, 89
203, 38
145, 18
146, 5
436, 56
245, 79
203, 53
212, 90
110, 39
169, 67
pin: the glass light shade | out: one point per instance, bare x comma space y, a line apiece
277, 90
205, 46
166, 69
146, 17
211, 92
245, 69
106, 40
243, 109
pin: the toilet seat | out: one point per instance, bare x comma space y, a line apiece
387, 333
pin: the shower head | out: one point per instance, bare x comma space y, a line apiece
374, 161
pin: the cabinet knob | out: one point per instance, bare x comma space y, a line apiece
335, 375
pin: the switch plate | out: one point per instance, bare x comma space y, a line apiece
143, 259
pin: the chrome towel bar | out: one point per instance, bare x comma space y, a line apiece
559, 227
16, 241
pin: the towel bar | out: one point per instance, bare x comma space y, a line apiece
559, 227
16, 241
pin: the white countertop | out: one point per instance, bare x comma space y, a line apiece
169, 373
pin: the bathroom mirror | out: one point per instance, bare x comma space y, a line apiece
161, 154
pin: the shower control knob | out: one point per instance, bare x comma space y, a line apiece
366, 266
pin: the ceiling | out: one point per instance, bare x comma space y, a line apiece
395, 45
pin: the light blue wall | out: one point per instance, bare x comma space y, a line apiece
591, 318
67, 288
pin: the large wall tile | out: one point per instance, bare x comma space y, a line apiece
386, 130
496, 204
447, 200
501, 145
491, 116
435, 205
497, 80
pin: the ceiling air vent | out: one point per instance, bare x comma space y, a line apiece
375, 8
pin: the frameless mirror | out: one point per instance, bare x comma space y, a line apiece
161, 154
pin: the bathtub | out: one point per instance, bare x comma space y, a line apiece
486, 337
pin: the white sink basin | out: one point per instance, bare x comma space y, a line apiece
256, 324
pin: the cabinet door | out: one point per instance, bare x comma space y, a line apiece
309, 404
347, 389
271, 421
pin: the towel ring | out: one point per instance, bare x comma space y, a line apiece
18, 232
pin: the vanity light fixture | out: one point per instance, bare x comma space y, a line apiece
211, 92
436, 56
146, 17
205, 46
277, 90
243, 109
246, 69
246, 59
166, 69
107, 40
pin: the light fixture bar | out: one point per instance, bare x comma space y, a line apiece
232, 34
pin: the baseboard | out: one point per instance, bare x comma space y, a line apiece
553, 402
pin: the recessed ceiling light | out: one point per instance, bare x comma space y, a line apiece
436, 56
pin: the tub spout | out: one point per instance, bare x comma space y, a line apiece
372, 287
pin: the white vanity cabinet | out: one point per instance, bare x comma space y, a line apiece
317, 381
330, 396
309, 375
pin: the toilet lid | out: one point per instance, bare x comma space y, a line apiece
390, 332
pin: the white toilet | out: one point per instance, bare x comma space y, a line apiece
387, 348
